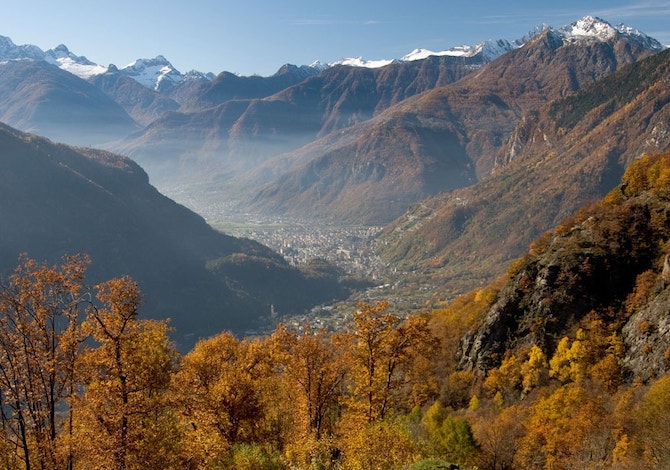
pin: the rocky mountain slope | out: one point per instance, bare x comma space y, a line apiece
602, 269
564, 155
57, 200
445, 138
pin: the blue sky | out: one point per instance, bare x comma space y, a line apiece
258, 36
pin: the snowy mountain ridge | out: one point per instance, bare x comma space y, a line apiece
160, 75
591, 27
586, 28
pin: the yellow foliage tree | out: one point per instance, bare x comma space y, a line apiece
384, 347
653, 424
535, 370
220, 390
567, 429
506, 379
569, 360
40, 337
122, 420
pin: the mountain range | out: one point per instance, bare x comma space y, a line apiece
448, 136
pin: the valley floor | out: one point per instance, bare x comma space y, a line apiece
351, 248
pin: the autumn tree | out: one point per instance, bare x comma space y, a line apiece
568, 429
39, 339
497, 434
314, 364
221, 391
448, 437
535, 370
378, 445
383, 349
313, 371
569, 360
652, 420
122, 418
507, 379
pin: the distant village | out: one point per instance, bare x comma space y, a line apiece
350, 248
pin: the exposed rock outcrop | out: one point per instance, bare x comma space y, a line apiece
647, 338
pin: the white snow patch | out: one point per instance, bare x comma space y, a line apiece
80, 70
589, 26
420, 54
360, 62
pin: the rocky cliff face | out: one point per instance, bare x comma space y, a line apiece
578, 270
647, 338
605, 262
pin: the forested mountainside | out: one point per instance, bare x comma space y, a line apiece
58, 200
560, 157
560, 363
445, 138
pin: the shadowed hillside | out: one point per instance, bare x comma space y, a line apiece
58, 200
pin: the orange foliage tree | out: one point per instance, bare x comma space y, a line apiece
122, 418
39, 340
315, 365
222, 391
384, 346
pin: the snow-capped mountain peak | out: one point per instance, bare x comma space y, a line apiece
157, 73
10, 51
591, 27
197, 75
318, 65
639, 37
77, 65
